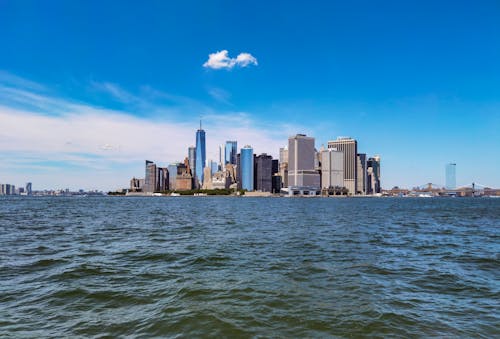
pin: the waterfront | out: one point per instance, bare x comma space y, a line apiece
245, 267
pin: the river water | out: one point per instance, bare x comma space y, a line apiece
249, 267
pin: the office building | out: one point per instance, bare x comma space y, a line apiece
373, 175
349, 147
162, 178
200, 156
361, 173
29, 190
451, 179
192, 159
302, 177
184, 179
150, 177
332, 169
276, 183
263, 172
247, 168
230, 152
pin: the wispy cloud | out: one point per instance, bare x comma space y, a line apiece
220, 95
84, 146
221, 60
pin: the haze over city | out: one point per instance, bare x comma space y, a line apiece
86, 96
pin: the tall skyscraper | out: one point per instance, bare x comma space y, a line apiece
451, 179
373, 175
263, 173
231, 151
200, 155
350, 148
247, 168
29, 188
332, 168
301, 155
150, 177
192, 159
221, 162
361, 173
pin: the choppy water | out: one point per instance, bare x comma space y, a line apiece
249, 267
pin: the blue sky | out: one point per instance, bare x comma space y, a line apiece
88, 90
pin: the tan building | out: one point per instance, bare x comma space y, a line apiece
350, 148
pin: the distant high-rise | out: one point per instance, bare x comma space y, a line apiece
29, 190
200, 155
350, 148
247, 168
332, 168
263, 173
451, 179
231, 151
361, 173
150, 177
301, 158
373, 175
192, 159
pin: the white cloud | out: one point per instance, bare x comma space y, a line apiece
57, 143
221, 60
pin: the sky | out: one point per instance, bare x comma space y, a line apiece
91, 89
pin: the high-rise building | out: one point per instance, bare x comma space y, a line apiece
283, 166
200, 155
332, 168
220, 161
373, 175
263, 173
29, 190
150, 177
231, 151
283, 155
301, 155
247, 168
361, 173
162, 179
451, 178
192, 159
350, 148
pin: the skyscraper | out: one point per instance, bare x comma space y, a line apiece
231, 151
373, 175
332, 168
301, 155
29, 188
192, 159
361, 173
150, 177
263, 173
350, 148
200, 155
247, 170
451, 179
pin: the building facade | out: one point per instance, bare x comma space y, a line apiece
192, 158
349, 147
231, 150
247, 168
150, 177
301, 161
332, 169
263, 173
373, 175
200, 156
361, 173
451, 176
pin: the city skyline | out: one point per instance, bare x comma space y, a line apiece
414, 83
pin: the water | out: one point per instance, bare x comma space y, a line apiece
249, 267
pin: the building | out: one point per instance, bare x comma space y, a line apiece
332, 169
361, 173
276, 183
247, 168
350, 148
184, 179
192, 159
283, 166
200, 156
150, 177
451, 179
214, 167
302, 176
136, 185
373, 175
263, 173
29, 190
207, 178
162, 179
173, 171
230, 152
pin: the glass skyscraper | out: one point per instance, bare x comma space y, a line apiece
246, 162
231, 151
200, 154
451, 179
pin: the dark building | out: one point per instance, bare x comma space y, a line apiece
275, 166
162, 179
150, 177
263, 173
276, 183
